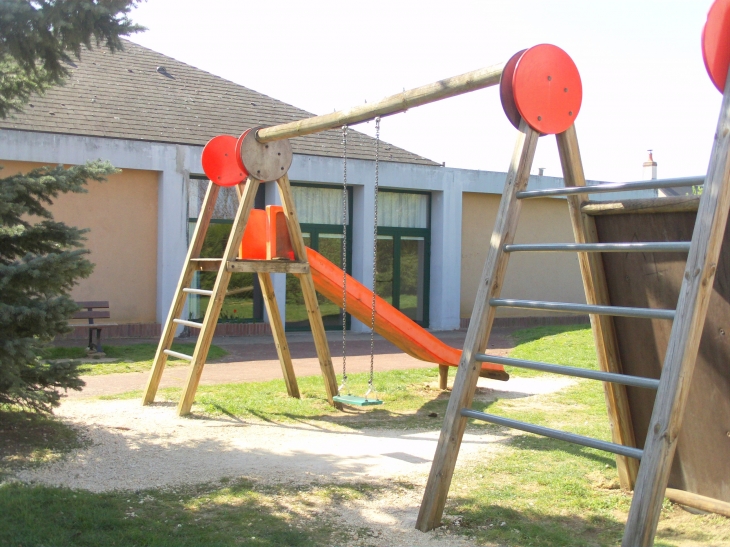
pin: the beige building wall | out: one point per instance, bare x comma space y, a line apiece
122, 217
530, 276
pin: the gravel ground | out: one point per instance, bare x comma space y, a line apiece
134, 447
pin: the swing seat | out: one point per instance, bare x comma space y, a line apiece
354, 400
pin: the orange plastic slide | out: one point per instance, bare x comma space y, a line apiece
390, 323
267, 237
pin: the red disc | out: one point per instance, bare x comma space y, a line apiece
219, 161
547, 89
506, 94
716, 43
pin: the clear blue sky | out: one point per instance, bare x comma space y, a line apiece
644, 83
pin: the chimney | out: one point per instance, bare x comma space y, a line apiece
540, 171
650, 167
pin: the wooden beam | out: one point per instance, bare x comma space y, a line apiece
268, 266
206, 264
674, 204
596, 291
443, 377
480, 326
703, 503
679, 362
400, 102
308, 291
178, 303
277, 330
216, 300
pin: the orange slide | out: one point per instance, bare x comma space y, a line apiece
267, 237
390, 323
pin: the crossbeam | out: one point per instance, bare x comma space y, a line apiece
400, 102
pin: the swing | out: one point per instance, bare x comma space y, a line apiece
354, 400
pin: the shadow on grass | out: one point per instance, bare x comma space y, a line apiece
497, 524
545, 444
29, 438
237, 514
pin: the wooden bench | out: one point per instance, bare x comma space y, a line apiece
94, 309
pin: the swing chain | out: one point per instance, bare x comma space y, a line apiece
344, 258
375, 255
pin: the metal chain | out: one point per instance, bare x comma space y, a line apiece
375, 253
344, 257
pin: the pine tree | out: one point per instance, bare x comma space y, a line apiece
40, 259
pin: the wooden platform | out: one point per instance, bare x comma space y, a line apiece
702, 461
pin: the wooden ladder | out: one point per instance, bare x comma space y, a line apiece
225, 266
651, 475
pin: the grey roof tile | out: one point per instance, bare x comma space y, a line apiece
122, 96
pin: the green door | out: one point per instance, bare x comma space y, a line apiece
320, 214
404, 244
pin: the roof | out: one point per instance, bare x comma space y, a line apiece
139, 94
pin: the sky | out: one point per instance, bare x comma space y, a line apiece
644, 81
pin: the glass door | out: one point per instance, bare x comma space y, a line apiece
320, 215
402, 274
404, 244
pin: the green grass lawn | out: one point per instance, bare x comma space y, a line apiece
531, 491
131, 357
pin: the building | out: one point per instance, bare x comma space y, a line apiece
151, 115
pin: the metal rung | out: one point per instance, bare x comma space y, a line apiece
178, 355
192, 324
620, 311
201, 292
613, 187
653, 247
555, 434
625, 379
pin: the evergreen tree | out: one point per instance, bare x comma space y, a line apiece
41, 259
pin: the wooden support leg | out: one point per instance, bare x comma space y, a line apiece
277, 330
178, 303
447, 450
443, 377
308, 291
684, 341
596, 291
216, 300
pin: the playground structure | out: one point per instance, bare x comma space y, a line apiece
541, 94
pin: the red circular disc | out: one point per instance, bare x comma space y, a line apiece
716, 43
547, 89
219, 161
506, 94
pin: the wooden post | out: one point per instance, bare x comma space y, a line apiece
196, 245
679, 362
480, 326
443, 377
400, 102
308, 291
596, 290
277, 330
216, 300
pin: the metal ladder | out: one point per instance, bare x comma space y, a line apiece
650, 476
226, 266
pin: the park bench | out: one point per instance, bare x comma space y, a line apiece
94, 309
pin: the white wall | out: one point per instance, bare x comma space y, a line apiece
175, 163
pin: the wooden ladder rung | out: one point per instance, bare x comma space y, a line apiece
206, 264
178, 355
185, 323
268, 266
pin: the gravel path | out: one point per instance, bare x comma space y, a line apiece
132, 447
